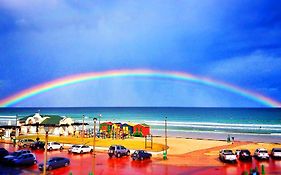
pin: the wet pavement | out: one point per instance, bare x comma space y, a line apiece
102, 164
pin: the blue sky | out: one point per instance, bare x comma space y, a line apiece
237, 42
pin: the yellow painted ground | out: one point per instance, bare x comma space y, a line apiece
176, 146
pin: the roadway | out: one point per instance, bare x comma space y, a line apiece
102, 164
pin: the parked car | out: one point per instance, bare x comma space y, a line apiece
82, 149
55, 162
276, 153
70, 149
38, 145
24, 159
140, 155
118, 151
3, 153
8, 159
227, 155
54, 145
261, 153
25, 142
243, 154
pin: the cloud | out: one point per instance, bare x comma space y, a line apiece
246, 67
258, 72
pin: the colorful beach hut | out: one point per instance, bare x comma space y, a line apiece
117, 130
128, 129
106, 128
141, 130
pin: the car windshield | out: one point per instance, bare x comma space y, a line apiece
245, 151
228, 152
15, 154
111, 148
51, 160
263, 151
277, 150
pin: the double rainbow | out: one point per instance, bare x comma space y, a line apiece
72, 79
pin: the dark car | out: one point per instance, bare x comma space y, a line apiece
8, 159
37, 145
140, 155
276, 153
24, 160
3, 153
245, 155
55, 162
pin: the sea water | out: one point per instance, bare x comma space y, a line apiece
185, 122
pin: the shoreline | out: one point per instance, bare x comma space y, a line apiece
266, 138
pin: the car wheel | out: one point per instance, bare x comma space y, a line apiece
61, 148
35, 161
24, 145
91, 150
128, 153
141, 158
66, 164
118, 155
38, 147
50, 148
50, 168
81, 152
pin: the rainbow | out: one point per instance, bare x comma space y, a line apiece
72, 79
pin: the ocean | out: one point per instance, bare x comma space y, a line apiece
253, 124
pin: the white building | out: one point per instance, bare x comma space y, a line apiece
64, 122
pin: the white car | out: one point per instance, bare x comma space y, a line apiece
227, 155
54, 145
261, 153
276, 153
81, 149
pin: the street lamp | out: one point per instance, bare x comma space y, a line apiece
94, 140
99, 121
45, 151
37, 130
16, 126
94, 144
166, 146
83, 118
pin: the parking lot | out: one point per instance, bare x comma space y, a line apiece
102, 164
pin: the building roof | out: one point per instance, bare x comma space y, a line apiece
145, 125
107, 123
52, 119
131, 124
126, 124
23, 119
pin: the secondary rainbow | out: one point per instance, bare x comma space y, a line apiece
183, 76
